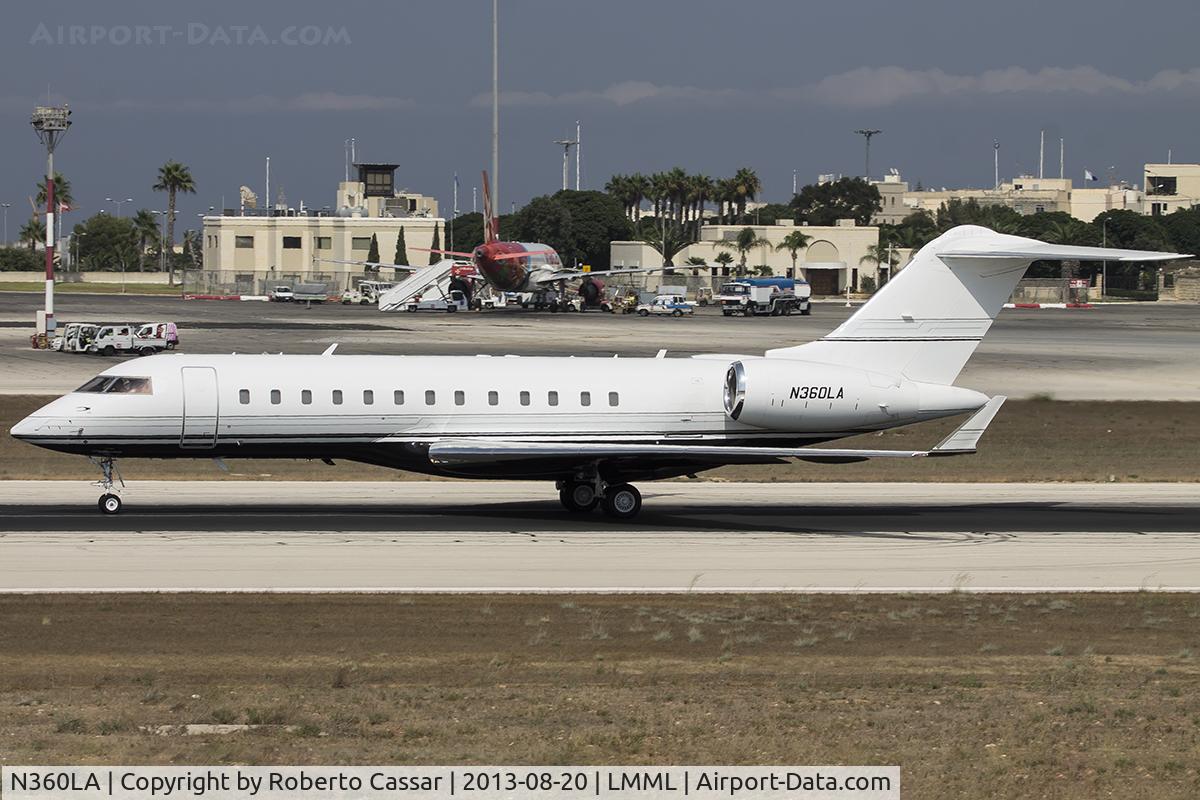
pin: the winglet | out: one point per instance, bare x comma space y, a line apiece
966, 436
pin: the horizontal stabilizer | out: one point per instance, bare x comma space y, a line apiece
1042, 251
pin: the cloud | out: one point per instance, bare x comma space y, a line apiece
618, 94
878, 87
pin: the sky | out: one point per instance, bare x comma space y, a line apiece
774, 85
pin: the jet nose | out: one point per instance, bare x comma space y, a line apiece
24, 429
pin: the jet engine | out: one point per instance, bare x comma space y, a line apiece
785, 395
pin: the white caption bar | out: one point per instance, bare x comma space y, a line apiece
437, 783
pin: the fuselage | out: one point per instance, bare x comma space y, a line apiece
514, 274
387, 409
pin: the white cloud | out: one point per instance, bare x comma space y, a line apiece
877, 87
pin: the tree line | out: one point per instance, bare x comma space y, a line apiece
105, 242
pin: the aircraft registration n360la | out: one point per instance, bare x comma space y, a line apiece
591, 425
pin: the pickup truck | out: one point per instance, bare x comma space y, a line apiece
674, 304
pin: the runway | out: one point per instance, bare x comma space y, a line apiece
691, 536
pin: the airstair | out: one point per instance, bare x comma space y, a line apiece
395, 298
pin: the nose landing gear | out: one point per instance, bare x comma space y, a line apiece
109, 502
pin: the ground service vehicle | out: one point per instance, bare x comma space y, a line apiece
366, 293
124, 338
168, 332
674, 304
765, 296
456, 300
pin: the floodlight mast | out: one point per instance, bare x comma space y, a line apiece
867, 133
50, 123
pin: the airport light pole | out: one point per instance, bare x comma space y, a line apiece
867, 133
118, 202
6, 207
567, 144
50, 123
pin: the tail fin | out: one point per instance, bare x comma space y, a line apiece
928, 320
491, 223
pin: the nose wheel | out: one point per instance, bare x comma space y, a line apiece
109, 502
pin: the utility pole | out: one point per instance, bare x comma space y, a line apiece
793, 183
270, 207
578, 150
867, 133
6, 207
996, 164
1042, 156
1062, 151
50, 123
495, 181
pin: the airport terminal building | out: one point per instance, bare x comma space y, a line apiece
247, 250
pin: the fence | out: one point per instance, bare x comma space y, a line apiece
261, 282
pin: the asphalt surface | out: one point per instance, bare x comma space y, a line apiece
1114, 352
449, 536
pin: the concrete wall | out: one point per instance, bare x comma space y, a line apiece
141, 278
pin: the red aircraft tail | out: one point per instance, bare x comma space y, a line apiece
491, 223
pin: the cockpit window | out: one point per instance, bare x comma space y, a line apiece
119, 384
96, 384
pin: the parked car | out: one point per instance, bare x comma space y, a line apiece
281, 294
673, 304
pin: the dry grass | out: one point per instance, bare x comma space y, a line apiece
1031, 440
958, 689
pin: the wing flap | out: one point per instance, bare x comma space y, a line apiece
1043, 251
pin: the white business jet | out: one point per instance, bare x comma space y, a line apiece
591, 425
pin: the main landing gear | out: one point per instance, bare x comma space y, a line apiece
109, 502
620, 501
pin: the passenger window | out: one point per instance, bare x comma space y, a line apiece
524, 398
614, 399
398, 397
306, 397
459, 397
244, 397
368, 397
552, 398
585, 398
337, 397
493, 398
430, 397
276, 397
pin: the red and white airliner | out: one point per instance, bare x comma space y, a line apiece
590, 425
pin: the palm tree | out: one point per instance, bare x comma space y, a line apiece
173, 178
746, 241
33, 232
145, 227
880, 255
659, 192
62, 191
701, 190
724, 258
794, 242
746, 186
639, 185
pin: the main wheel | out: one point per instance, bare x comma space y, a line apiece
109, 504
578, 497
622, 501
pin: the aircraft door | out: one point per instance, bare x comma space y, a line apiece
200, 407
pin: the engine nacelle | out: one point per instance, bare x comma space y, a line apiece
786, 395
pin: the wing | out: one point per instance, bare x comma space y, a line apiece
401, 267
568, 274
481, 451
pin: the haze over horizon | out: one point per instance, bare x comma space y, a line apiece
707, 86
